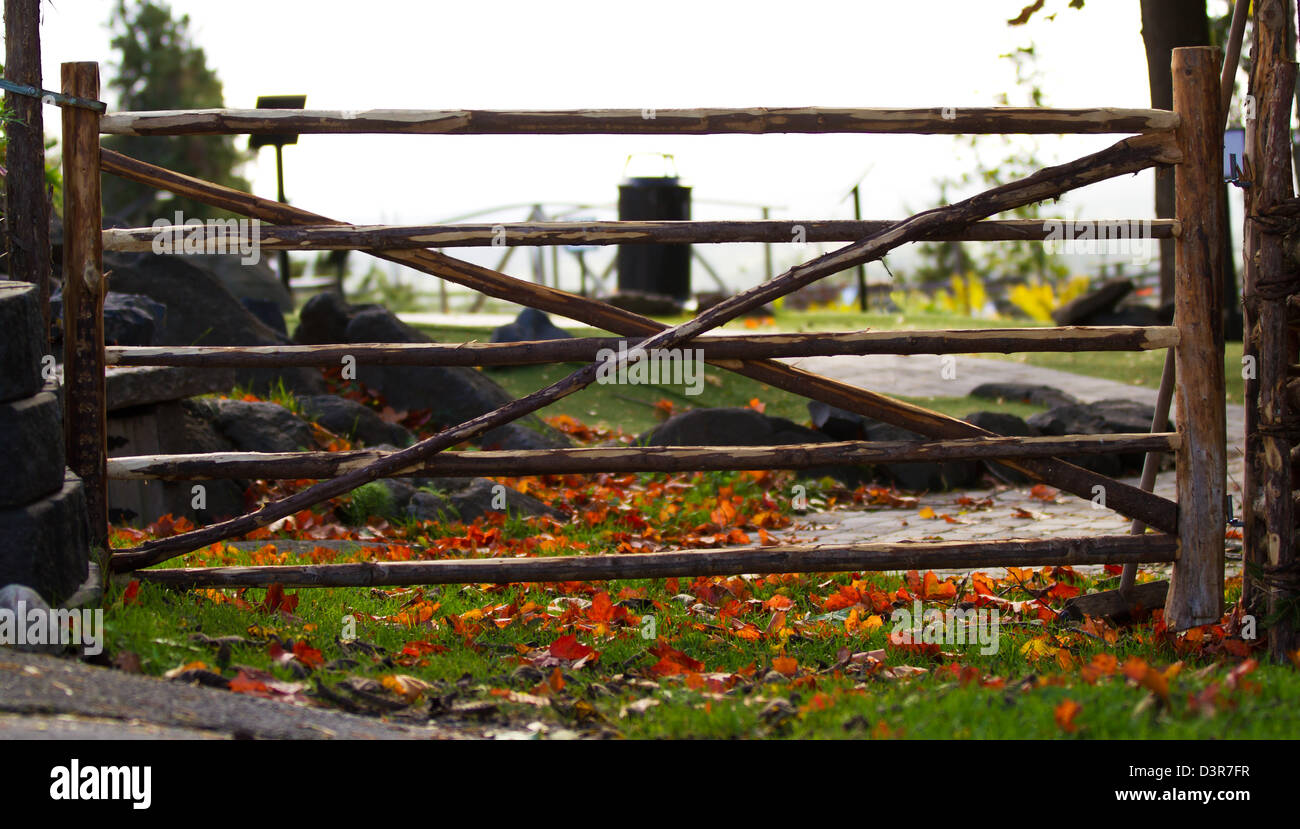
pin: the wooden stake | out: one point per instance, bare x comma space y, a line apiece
84, 409
727, 562
1196, 587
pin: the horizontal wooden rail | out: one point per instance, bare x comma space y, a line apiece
321, 465
404, 237
934, 120
1119, 549
582, 349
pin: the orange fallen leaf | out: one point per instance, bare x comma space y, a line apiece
1065, 714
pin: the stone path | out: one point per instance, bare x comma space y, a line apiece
1069, 515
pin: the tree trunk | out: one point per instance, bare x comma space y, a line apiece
1166, 25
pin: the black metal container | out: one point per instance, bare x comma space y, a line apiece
655, 269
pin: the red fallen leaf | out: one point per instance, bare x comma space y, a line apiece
1061, 590
602, 609
1065, 714
246, 684
421, 648
277, 600
278, 654
568, 647
130, 596
308, 655
670, 657
1044, 493
779, 602
757, 405
846, 597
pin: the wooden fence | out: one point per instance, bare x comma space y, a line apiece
1189, 533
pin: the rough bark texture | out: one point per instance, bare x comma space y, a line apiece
1196, 587
968, 341
27, 219
775, 559
320, 465
623, 121
84, 412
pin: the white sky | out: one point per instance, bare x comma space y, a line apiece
505, 54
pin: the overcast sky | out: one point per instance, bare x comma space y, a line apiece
504, 54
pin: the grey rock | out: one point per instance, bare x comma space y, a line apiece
1037, 395
21, 340
352, 420
1081, 310
268, 312
21, 600
745, 427
473, 501
1103, 417
31, 452
129, 319
252, 281
1002, 423
921, 477
200, 311
531, 325
259, 426
45, 544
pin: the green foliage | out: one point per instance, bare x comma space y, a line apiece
161, 68
366, 500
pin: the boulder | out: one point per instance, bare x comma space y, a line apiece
921, 477
200, 311
1037, 395
1002, 423
530, 326
257, 426
453, 394
470, 502
20, 600
323, 320
745, 427
129, 319
254, 281
1103, 417
1081, 309
268, 312
45, 544
352, 420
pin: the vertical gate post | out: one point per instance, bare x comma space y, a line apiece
1196, 588
84, 418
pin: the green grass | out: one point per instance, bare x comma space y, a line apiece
821, 703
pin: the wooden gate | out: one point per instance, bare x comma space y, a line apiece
1189, 533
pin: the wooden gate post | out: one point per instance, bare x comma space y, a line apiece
1196, 588
84, 418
